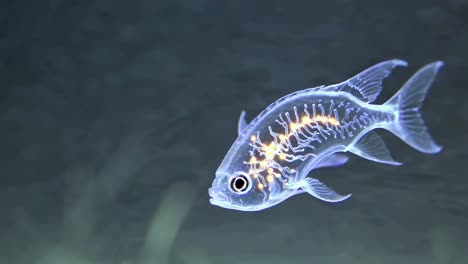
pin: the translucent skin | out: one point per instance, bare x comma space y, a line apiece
303, 131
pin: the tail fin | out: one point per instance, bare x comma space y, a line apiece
409, 125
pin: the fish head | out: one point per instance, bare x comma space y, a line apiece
239, 187
237, 191
234, 187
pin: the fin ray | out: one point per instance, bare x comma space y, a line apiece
372, 147
409, 125
320, 191
367, 85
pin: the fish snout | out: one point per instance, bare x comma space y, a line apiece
217, 195
212, 191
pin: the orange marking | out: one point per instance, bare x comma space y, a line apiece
273, 149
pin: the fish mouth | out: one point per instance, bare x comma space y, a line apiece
217, 197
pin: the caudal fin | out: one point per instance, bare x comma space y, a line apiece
409, 126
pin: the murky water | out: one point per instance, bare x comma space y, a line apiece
116, 114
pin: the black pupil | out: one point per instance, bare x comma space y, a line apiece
239, 183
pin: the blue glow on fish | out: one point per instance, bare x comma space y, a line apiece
273, 155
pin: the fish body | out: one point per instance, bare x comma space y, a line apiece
273, 156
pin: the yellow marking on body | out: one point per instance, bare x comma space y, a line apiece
270, 151
295, 126
324, 119
270, 178
253, 159
282, 156
260, 186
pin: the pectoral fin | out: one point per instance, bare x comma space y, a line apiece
372, 147
242, 123
320, 191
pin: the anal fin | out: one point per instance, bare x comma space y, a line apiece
372, 147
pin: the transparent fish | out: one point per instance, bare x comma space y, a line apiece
273, 156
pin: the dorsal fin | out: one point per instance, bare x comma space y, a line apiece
367, 84
242, 123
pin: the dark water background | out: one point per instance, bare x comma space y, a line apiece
116, 114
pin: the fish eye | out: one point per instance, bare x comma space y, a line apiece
239, 184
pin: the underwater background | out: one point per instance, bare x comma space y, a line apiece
114, 116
